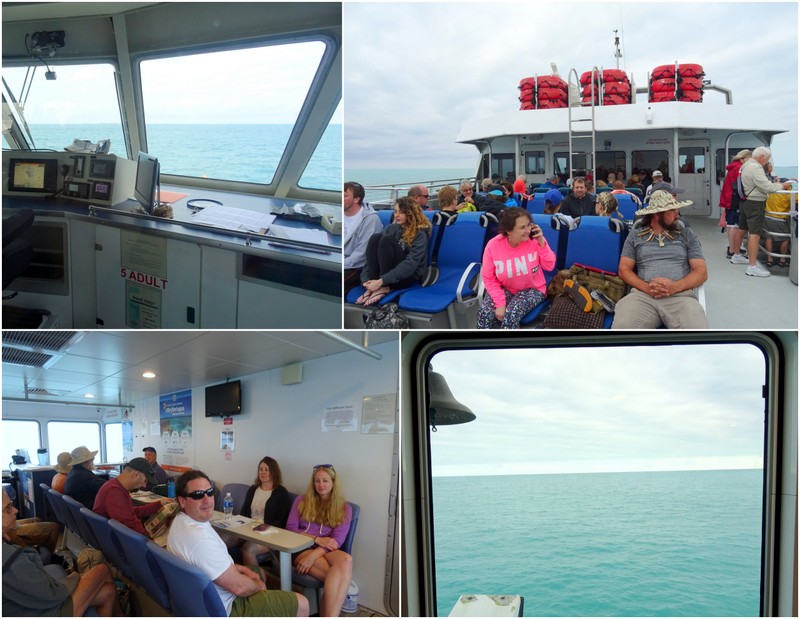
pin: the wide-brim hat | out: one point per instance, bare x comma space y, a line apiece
81, 454
661, 201
143, 466
742, 154
64, 459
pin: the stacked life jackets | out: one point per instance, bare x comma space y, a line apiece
543, 92
611, 87
676, 82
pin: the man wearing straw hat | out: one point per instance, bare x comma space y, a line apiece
83, 485
663, 263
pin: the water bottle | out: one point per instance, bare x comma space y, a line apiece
171, 489
227, 506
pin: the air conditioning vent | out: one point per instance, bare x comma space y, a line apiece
27, 358
47, 392
38, 349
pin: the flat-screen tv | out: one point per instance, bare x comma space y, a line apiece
224, 400
147, 175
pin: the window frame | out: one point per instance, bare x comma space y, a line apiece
39, 426
100, 436
417, 353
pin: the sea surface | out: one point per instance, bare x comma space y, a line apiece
682, 543
248, 153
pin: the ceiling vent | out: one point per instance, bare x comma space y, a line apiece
37, 391
38, 349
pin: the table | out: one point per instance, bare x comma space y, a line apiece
275, 538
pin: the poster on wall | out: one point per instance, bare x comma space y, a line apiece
177, 441
339, 417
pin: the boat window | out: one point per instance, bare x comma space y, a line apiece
609, 161
692, 159
581, 163
503, 167
67, 435
113, 436
19, 434
227, 114
534, 162
722, 163
599, 480
59, 111
323, 171
650, 160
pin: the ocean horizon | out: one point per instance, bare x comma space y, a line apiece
665, 543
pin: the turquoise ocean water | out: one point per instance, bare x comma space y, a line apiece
247, 153
603, 544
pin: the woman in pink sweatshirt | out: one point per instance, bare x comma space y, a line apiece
512, 271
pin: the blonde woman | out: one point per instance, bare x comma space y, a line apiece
398, 255
605, 205
323, 514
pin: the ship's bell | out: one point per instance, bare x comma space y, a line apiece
444, 409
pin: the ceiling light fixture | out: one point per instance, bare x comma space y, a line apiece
149, 374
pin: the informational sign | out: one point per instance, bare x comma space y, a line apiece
226, 440
127, 435
339, 417
142, 306
177, 441
143, 266
378, 413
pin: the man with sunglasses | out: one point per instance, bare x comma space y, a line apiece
191, 537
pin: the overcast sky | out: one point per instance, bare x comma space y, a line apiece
602, 409
414, 72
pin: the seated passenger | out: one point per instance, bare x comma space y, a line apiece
62, 470
551, 182
512, 271
520, 185
398, 255
508, 194
360, 223
605, 205
113, 500
191, 537
468, 195
32, 532
663, 263
578, 201
83, 485
159, 475
619, 188
552, 201
30, 591
448, 201
266, 500
323, 514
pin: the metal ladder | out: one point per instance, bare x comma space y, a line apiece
576, 132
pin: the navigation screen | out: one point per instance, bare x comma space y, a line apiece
29, 175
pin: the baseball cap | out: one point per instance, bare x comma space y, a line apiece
143, 466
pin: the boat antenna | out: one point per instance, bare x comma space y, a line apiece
617, 53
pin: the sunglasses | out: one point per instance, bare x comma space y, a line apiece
324, 466
199, 494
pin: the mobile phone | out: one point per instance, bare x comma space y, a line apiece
261, 527
534, 231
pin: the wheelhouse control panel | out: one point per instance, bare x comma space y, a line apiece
104, 180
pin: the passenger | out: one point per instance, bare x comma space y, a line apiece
612, 176
552, 201
114, 498
30, 591
618, 188
420, 195
62, 470
508, 194
34, 533
466, 197
485, 184
266, 500
398, 255
756, 187
658, 177
551, 182
729, 200
777, 224
83, 485
634, 183
360, 222
323, 513
512, 271
448, 201
191, 537
159, 474
663, 263
605, 205
520, 185
578, 202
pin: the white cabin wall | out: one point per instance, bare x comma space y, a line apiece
284, 421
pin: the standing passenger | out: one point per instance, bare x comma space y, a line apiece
729, 200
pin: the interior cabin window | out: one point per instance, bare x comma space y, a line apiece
228, 114
534, 162
324, 168
650, 160
722, 162
113, 435
60, 111
19, 434
602, 481
503, 167
67, 435
692, 160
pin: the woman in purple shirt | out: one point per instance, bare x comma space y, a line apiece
323, 514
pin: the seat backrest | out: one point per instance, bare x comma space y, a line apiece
385, 216
191, 593
351, 534
556, 238
593, 244
76, 517
626, 205
109, 543
55, 498
238, 492
462, 242
536, 203
146, 574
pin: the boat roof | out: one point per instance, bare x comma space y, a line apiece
618, 118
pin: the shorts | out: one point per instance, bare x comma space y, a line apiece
266, 604
732, 216
751, 216
777, 226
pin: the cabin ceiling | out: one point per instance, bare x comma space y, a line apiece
34, 11
110, 364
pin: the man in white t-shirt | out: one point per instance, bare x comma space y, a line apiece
192, 538
360, 222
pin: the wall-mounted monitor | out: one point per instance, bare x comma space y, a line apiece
146, 188
33, 175
224, 400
